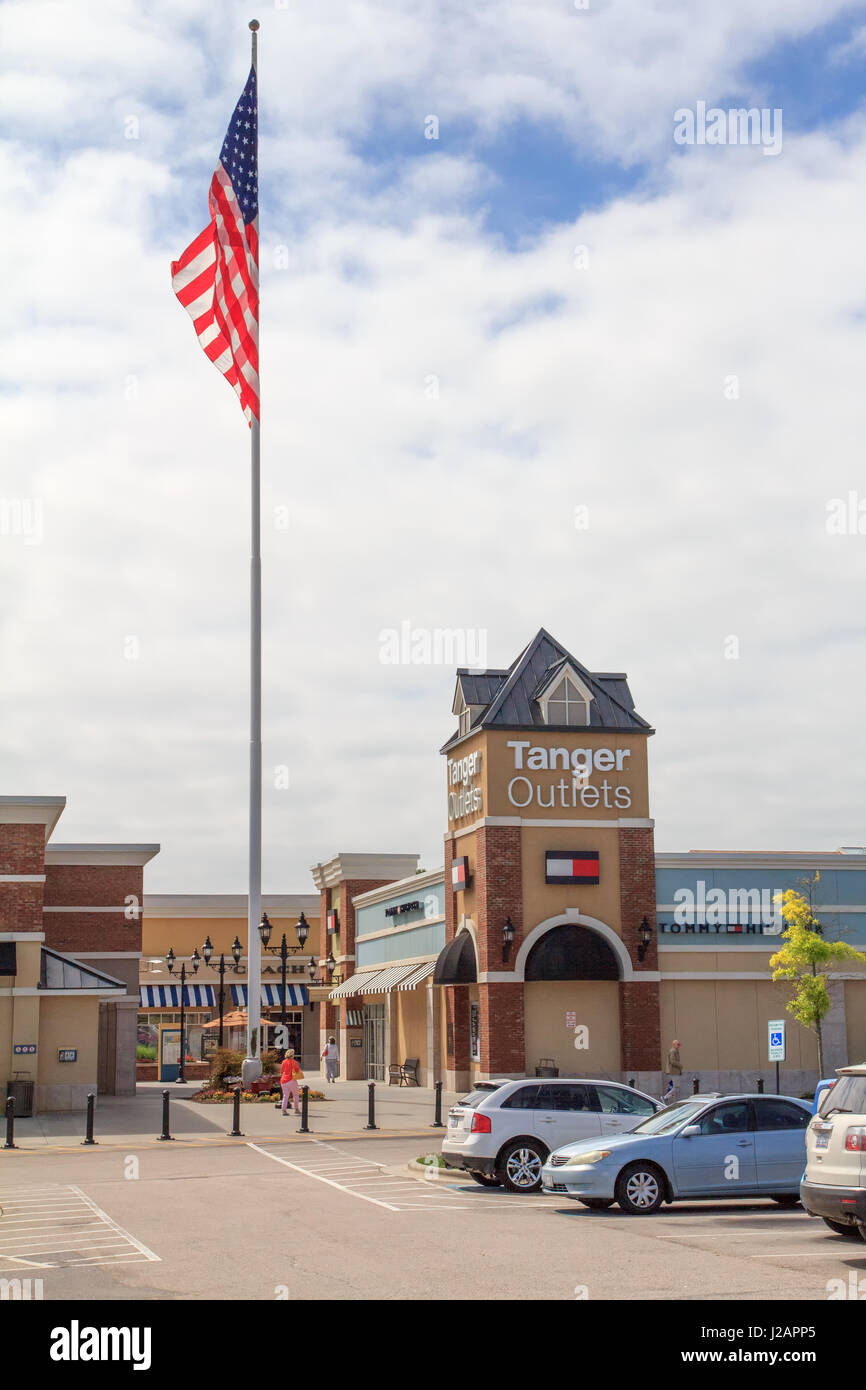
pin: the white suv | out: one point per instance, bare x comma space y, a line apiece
502, 1132
834, 1183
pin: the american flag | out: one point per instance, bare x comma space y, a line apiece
217, 277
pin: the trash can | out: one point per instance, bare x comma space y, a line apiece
22, 1093
547, 1067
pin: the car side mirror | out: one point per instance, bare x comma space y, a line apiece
690, 1131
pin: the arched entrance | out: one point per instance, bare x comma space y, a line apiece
571, 999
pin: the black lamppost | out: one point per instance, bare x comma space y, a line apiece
237, 952
302, 931
646, 936
195, 960
507, 939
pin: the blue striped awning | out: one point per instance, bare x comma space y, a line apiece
168, 996
296, 995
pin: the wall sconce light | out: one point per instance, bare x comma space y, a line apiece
646, 936
507, 939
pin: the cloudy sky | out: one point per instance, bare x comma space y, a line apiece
550, 368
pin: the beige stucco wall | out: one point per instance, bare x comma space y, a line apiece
722, 1024
409, 1026
596, 1004
185, 933
68, 1022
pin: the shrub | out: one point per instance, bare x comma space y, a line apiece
224, 1062
144, 1053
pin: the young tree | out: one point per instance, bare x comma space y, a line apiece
806, 959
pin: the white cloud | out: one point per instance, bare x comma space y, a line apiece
557, 386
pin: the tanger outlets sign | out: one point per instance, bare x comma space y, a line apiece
464, 798
716, 910
574, 789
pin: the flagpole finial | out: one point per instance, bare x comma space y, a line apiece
254, 25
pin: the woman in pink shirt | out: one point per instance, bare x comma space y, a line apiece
290, 1073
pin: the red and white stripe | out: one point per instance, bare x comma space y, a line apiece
217, 282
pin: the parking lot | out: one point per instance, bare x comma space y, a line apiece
345, 1218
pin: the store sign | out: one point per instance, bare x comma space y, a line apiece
333, 920
67, 1054
24, 1049
467, 799
574, 789
475, 1032
400, 908
460, 873
571, 866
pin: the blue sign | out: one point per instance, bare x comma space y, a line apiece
21, 1048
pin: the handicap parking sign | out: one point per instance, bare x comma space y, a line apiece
776, 1040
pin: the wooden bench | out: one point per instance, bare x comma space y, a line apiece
402, 1073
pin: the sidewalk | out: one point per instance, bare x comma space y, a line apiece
129, 1120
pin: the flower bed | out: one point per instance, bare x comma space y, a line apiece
208, 1097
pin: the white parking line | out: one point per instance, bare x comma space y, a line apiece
55, 1226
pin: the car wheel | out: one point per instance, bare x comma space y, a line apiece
596, 1203
840, 1228
484, 1179
640, 1189
786, 1199
520, 1166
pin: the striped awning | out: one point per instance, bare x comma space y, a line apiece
354, 1018
418, 974
362, 983
168, 996
390, 979
296, 995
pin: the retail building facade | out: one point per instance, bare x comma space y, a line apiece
554, 934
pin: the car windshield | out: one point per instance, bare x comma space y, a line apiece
847, 1096
669, 1119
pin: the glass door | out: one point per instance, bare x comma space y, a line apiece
374, 1041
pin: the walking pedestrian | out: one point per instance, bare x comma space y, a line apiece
673, 1069
290, 1075
331, 1054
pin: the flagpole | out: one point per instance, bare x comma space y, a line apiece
252, 1066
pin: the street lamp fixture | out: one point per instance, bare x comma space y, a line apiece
646, 936
284, 950
507, 939
207, 952
171, 961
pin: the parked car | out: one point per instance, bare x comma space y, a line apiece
834, 1183
820, 1092
720, 1146
502, 1135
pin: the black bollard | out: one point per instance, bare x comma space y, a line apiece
437, 1108
631, 1082
236, 1132
10, 1124
303, 1127
88, 1136
165, 1134
371, 1107
696, 1084
760, 1085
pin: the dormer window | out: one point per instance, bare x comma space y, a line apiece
465, 719
567, 703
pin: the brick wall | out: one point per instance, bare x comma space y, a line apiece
639, 1020
640, 1025
503, 1048
22, 851
498, 893
93, 885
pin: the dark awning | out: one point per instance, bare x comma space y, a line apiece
456, 963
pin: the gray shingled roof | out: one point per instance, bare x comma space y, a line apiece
512, 696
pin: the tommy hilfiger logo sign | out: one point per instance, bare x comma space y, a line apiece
571, 866
333, 920
460, 874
